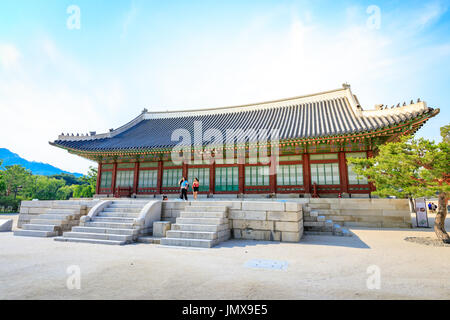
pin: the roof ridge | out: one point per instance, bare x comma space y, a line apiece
249, 104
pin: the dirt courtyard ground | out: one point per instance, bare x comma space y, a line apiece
319, 267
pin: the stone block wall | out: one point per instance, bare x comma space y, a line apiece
253, 220
372, 213
269, 219
171, 210
31, 209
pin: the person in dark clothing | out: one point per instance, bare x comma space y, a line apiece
184, 185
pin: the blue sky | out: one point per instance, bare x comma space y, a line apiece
163, 55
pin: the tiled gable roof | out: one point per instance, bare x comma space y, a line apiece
320, 115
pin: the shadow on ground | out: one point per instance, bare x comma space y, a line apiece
334, 241
349, 242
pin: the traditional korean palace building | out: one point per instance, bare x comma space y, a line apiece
315, 134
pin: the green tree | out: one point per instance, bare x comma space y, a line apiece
445, 133
91, 177
16, 178
46, 188
65, 192
87, 189
83, 191
411, 168
69, 179
2, 180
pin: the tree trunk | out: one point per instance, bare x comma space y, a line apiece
412, 206
439, 223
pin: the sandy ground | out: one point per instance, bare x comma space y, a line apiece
319, 267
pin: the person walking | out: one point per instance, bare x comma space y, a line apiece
195, 186
184, 185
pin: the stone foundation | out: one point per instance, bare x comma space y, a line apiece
253, 220
272, 220
32, 209
282, 220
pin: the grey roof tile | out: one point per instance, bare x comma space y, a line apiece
326, 114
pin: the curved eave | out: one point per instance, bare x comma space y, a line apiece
415, 125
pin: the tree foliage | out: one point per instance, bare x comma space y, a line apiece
445, 133
16, 178
412, 168
18, 183
2, 180
409, 168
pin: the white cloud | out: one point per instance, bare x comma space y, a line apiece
130, 16
431, 13
52, 94
9, 56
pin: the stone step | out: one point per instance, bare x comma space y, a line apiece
200, 227
314, 224
118, 214
149, 239
62, 211
36, 233
224, 235
113, 219
203, 214
191, 234
111, 225
319, 205
131, 201
314, 213
205, 208
40, 227
98, 236
61, 217
63, 206
46, 221
324, 228
200, 243
328, 212
133, 206
129, 232
209, 221
95, 241
318, 233
210, 203
131, 210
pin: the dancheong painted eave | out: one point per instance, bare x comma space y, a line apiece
335, 113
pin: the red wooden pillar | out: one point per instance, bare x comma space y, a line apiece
99, 178
114, 175
306, 173
212, 177
343, 172
273, 174
185, 169
241, 170
160, 176
136, 177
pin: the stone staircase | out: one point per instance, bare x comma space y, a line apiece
317, 222
199, 225
53, 222
115, 225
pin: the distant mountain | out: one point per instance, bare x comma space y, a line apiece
40, 168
